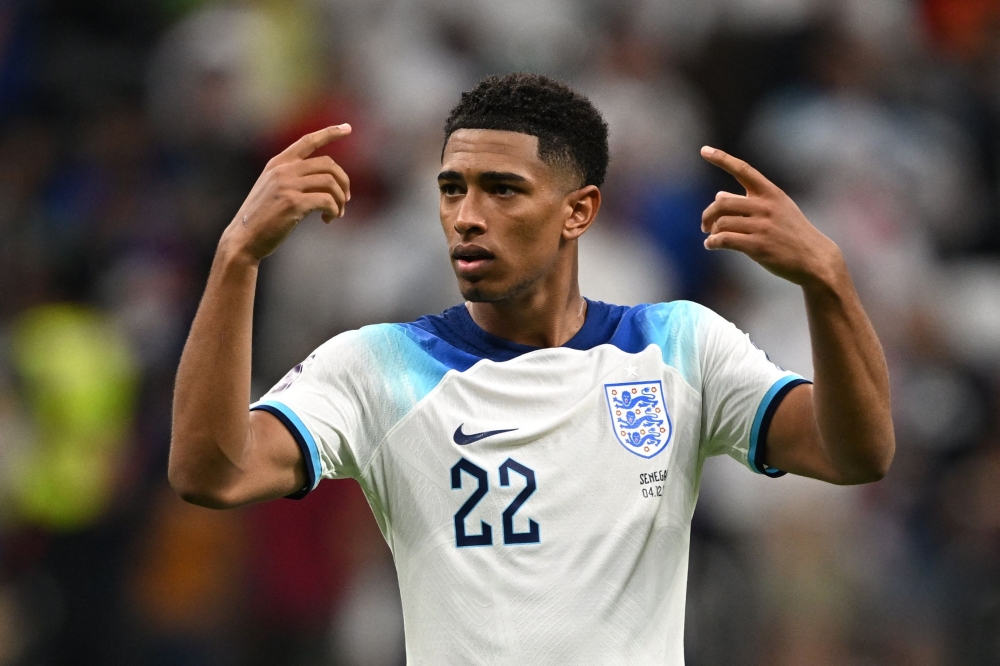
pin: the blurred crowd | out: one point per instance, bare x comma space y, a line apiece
131, 131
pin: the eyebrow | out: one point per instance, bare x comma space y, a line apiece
502, 176
488, 176
450, 175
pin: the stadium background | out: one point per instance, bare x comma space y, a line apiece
130, 132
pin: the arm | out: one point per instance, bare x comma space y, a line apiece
221, 455
840, 429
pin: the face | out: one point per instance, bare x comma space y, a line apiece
508, 217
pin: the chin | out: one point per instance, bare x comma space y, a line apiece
476, 293
492, 293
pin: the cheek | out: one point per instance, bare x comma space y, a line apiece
445, 215
533, 239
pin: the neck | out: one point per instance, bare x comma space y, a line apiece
546, 315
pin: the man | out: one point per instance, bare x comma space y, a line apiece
532, 457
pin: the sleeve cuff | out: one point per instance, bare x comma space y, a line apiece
762, 423
302, 436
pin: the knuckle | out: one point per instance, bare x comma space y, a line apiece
282, 189
288, 200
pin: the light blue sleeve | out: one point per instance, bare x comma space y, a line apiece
741, 390
340, 402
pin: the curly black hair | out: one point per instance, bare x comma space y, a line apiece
570, 129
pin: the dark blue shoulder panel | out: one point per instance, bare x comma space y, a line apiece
456, 341
438, 347
633, 333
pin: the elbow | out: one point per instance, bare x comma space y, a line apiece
194, 489
875, 466
868, 474
189, 490
886, 451
881, 467
207, 497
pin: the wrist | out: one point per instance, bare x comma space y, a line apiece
231, 252
830, 277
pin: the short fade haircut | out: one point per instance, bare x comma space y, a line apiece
571, 131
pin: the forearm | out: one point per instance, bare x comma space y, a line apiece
220, 456
851, 392
840, 430
210, 433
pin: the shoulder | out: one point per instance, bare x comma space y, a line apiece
390, 347
680, 329
671, 316
394, 363
658, 323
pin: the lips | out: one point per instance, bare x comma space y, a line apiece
471, 259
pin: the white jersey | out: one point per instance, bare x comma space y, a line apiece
537, 502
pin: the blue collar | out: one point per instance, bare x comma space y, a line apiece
456, 327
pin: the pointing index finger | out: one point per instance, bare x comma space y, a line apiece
310, 143
752, 180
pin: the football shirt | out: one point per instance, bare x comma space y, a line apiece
537, 502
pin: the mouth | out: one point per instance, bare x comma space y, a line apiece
471, 259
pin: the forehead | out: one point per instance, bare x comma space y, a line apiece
475, 150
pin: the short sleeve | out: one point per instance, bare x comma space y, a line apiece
741, 391
318, 402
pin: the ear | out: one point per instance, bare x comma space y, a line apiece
583, 205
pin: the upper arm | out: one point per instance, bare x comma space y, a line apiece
275, 466
741, 393
307, 427
794, 443
310, 424
268, 465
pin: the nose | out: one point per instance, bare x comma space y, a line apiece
469, 219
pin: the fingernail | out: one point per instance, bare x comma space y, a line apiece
344, 126
707, 151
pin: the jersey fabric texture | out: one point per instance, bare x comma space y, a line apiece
537, 502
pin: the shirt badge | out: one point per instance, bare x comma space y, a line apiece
639, 417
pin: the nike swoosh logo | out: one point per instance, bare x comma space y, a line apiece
462, 439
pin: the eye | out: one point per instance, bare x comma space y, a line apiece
450, 189
504, 191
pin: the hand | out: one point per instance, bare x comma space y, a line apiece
767, 226
292, 185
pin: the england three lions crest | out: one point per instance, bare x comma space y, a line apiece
639, 417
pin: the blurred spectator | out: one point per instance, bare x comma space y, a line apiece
79, 377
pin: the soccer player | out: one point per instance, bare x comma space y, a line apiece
532, 457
